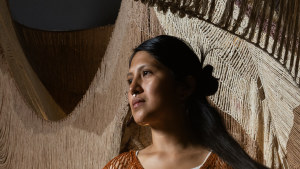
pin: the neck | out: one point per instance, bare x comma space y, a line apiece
171, 137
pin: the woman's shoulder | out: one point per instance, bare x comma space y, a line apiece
122, 161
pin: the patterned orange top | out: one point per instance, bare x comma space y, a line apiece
129, 160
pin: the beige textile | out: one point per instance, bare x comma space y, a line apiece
271, 25
258, 97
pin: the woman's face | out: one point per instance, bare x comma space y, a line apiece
153, 93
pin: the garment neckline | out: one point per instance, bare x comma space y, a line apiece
136, 152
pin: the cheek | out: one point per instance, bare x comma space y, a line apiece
161, 92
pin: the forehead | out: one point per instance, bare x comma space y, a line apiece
143, 58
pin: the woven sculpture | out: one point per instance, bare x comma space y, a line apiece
253, 46
271, 25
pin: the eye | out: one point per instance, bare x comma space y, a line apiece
129, 81
145, 72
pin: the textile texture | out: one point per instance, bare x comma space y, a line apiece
253, 46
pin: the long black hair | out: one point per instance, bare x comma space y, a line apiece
205, 121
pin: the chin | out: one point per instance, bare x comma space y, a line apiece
140, 119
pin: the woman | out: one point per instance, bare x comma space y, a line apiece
167, 91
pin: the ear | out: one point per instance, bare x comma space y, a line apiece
187, 88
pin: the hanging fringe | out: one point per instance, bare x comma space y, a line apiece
270, 19
262, 19
295, 38
243, 8
276, 19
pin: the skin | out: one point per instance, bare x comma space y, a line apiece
163, 109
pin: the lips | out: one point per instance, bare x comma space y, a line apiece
136, 102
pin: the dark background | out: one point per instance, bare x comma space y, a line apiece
64, 15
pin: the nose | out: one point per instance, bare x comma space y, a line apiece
135, 87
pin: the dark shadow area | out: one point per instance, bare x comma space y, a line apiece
66, 15
65, 62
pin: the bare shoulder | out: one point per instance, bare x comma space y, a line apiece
121, 161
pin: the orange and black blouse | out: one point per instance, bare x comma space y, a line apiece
129, 160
